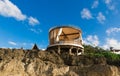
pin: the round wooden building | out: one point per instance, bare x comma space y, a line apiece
66, 39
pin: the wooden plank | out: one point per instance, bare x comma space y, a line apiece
69, 34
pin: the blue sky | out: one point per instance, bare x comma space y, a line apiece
23, 22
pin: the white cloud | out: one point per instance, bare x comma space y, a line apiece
95, 4
107, 1
12, 43
34, 30
8, 9
37, 31
33, 21
92, 40
110, 42
111, 7
109, 4
101, 18
86, 14
112, 30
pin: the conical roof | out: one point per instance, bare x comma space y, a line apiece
35, 47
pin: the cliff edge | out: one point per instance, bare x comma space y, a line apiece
20, 62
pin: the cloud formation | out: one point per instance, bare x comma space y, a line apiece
8, 9
86, 14
111, 42
107, 1
112, 30
12, 43
33, 21
101, 18
95, 4
92, 40
37, 31
109, 4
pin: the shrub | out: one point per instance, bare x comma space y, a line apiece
108, 55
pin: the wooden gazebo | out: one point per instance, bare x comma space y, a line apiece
63, 37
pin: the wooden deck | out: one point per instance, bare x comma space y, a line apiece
67, 43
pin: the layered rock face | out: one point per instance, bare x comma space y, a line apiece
19, 62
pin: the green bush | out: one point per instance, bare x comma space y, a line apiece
111, 56
108, 55
94, 55
99, 52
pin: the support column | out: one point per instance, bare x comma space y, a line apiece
59, 50
77, 51
70, 50
82, 51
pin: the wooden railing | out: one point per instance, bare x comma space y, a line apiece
69, 42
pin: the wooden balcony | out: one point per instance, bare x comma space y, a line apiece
68, 43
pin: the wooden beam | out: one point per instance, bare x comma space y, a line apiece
69, 34
65, 36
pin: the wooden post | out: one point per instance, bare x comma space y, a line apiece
70, 50
82, 51
77, 51
59, 50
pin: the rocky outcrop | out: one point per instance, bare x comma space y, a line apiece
19, 62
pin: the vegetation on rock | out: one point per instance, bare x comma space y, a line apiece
96, 52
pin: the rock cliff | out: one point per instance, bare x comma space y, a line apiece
20, 62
